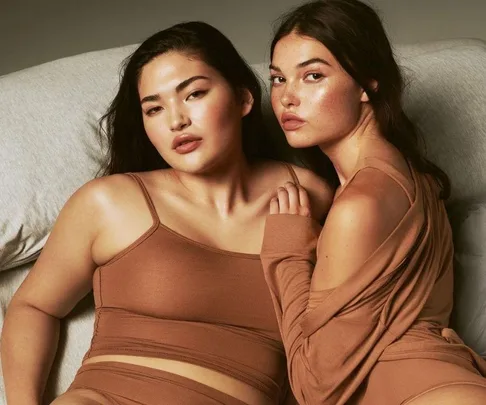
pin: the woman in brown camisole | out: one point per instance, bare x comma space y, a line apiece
169, 241
363, 303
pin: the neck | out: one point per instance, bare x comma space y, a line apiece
222, 189
357, 144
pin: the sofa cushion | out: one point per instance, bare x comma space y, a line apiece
469, 312
48, 119
446, 99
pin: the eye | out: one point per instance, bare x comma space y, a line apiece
153, 111
314, 77
196, 94
276, 80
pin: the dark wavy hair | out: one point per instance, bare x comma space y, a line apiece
355, 35
129, 148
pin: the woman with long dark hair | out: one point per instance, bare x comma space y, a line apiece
363, 303
169, 241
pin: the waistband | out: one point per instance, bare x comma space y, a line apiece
248, 356
125, 384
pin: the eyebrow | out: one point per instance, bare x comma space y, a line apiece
181, 86
303, 64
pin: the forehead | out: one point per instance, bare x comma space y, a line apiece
294, 48
166, 71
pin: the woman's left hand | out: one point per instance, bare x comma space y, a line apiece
291, 199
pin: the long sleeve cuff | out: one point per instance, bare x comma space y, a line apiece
290, 235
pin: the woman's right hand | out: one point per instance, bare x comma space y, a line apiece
291, 199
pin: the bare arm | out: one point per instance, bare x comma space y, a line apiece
61, 276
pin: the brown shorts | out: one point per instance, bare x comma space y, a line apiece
128, 384
396, 382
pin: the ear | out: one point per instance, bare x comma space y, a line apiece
246, 102
364, 95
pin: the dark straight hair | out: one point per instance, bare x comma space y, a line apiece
129, 148
355, 35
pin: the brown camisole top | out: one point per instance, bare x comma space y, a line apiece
167, 296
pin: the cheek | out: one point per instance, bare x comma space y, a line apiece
154, 128
217, 116
337, 105
160, 137
275, 99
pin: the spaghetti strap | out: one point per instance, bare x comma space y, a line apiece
292, 173
147, 197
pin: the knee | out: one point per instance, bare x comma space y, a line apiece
458, 394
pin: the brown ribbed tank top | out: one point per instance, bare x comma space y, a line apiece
168, 296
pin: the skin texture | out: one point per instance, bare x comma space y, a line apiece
339, 119
314, 85
308, 81
213, 187
206, 107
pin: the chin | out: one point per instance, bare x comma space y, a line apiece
199, 166
193, 165
299, 142
193, 168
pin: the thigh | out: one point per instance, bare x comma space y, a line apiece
129, 384
399, 381
456, 394
81, 396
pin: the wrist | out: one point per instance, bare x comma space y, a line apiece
290, 233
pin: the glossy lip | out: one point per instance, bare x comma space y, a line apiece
184, 138
290, 117
187, 147
291, 122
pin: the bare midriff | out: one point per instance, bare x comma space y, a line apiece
211, 378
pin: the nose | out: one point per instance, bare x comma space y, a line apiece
178, 120
289, 96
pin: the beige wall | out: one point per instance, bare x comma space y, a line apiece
409, 21
36, 31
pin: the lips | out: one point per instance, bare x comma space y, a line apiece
291, 122
186, 143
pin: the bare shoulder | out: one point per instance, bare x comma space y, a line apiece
101, 195
119, 189
354, 212
373, 204
102, 188
320, 192
273, 174
359, 222
62, 274
382, 189
122, 194
121, 210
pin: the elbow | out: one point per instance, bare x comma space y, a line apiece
20, 311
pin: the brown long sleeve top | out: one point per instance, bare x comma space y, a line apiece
396, 306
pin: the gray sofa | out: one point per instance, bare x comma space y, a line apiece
49, 147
